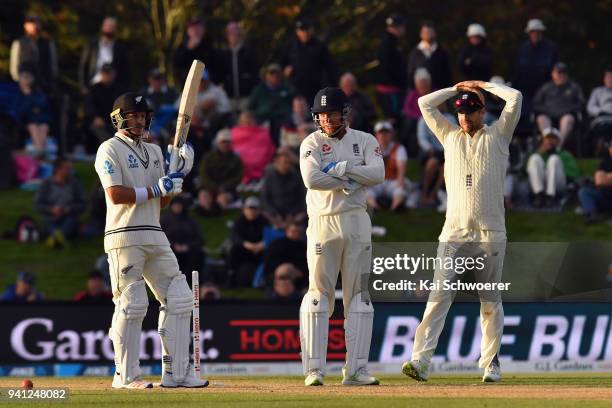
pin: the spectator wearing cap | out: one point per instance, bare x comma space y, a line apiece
599, 108
184, 235
558, 102
550, 168
106, 48
98, 104
596, 199
220, 173
534, 62
95, 291
60, 200
253, 144
271, 100
34, 53
411, 113
283, 195
391, 78
34, 114
286, 256
394, 189
306, 61
246, 238
23, 290
476, 59
241, 68
213, 108
299, 125
197, 45
363, 112
431, 55
161, 98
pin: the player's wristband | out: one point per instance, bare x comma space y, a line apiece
156, 191
142, 195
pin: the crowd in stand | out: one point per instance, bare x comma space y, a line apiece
250, 119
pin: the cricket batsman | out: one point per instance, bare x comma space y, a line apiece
476, 157
132, 174
337, 165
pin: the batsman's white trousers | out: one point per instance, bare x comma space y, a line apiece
340, 242
155, 263
493, 243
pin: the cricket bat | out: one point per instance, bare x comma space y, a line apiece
186, 108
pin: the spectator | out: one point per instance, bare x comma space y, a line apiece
98, 104
284, 284
534, 62
600, 109
184, 235
197, 45
253, 144
391, 79
430, 54
432, 161
209, 292
23, 290
96, 290
240, 67
558, 102
550, 169
299, 125
220, 173
60, 200
287, 254
597, 199
104, 49
34, 53
363, 112
157, 92
307, 63
97, 212
283, 194
213, 110
411, 112
394, 189
476, 59
34, 113
271, 100
247, 243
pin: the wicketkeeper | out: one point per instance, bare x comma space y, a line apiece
132, 174
337, 165
476, 157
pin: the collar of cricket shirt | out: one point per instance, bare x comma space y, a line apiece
137, 147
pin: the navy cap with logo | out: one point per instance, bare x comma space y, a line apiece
468, 102
329, 99
132, 102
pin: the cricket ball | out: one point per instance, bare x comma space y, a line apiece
27, 384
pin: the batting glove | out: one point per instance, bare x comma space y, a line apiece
336, 169
185, 156
172, 184
350, 186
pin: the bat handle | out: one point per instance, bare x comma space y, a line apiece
174, 160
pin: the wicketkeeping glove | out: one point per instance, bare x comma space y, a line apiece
184, 158
336, 169
172, 184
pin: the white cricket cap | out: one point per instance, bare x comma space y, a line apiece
476, 29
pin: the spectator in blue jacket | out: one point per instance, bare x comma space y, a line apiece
23, 290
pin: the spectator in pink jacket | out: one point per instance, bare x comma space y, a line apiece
253, 144
411, 112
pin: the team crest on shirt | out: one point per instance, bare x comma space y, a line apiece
356, 149
132, 162
156, 164
326, 149
108, 167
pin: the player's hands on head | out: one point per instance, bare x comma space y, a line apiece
169, 185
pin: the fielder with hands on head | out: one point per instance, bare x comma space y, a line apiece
132, 174
337, 165
476, 157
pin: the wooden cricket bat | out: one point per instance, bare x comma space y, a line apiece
186, 108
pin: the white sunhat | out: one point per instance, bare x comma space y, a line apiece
476, 29
535, 24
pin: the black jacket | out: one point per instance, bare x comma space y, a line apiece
245, 230
438, 66
247, 67
284, 250
181, 229
363, 112
313, 67
392, 63
99, 101
534, 63
89, 62
282, 194
183, 58
476, 62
